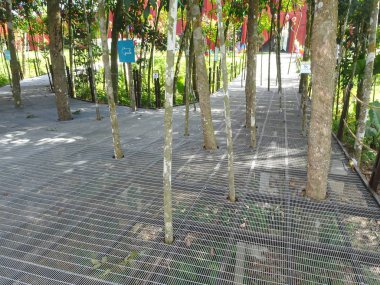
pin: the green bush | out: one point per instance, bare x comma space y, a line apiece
3, 80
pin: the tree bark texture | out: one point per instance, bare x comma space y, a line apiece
91, 58
278, 52
227, 108
109, 88
57, 60
323, 47
202, 78
116, 27
168, 121
250, 85
367, 80
15, 67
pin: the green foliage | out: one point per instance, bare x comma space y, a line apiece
3, 80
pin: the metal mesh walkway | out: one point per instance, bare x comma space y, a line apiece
70, 214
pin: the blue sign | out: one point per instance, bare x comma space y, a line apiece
126, 50
7, 54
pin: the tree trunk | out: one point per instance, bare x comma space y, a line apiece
227, 108
270, 41
189, 63
367, 80
71, 47
168, 120
57, 60
341, 50
179, 57
278, 52
15, 67
323, 47
250, 86
130, 82
202, 78
109, 88
151, 57
349, 87
91, 59
116, 27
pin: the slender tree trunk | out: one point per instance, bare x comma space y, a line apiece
202, 78
341, 49
278, 52
347, 94
168, 120
367, 81
151, 57
15, 67
270, 41
323, 47
250, 86
130, 81
189, 62
91, 58
57, 60
23, 53
227, 108
306, 54
116, 27
71, 47
179, 57
109, 88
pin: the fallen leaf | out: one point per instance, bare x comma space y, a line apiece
212, 251
104, 259
243, 225
95, 261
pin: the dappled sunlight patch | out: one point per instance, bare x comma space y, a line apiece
57, 140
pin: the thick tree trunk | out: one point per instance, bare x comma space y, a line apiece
323, 47
109, 88
15, 67
116, 27
202, 78
57, 60
367, 80
91, 58
227, 108
168, 120
250, 86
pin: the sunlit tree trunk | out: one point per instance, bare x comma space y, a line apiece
202, 78
57, 60
367, 80
304, 82
323, 48
278, 52
109, 88
227, 108
91, 58
168, 120
116, 27
15, 67
250, 86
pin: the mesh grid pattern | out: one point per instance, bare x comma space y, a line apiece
64, 202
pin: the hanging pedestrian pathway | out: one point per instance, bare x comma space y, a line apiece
71, 214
